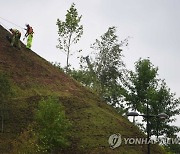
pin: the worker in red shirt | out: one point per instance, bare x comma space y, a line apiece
29, 35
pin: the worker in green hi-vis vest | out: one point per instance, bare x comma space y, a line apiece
29, 35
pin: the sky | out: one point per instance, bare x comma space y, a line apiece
152, 25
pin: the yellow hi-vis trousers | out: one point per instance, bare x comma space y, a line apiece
29, 41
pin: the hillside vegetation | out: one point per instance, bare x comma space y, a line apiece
93, 121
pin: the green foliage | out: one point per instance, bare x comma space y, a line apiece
108, 62
172, 148
107, 65
163, 101
139, 84
106, 69
143, 87
83, 76
69, 31
52, 124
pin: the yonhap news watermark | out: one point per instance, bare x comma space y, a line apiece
116, 140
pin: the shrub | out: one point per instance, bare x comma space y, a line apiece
53, 127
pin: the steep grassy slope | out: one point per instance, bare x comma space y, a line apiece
93, 121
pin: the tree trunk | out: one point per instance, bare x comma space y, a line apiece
67, 64
68, 53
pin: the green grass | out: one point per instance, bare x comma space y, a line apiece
93, 121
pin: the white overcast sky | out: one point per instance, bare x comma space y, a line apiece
153, 26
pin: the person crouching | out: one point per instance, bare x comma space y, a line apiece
16, 35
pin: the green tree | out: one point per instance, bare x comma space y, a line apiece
172, 148
70, 31
108, 65
142, 88
104, 72
139, 84
5, 94
83, 76
163, 101
52, 125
